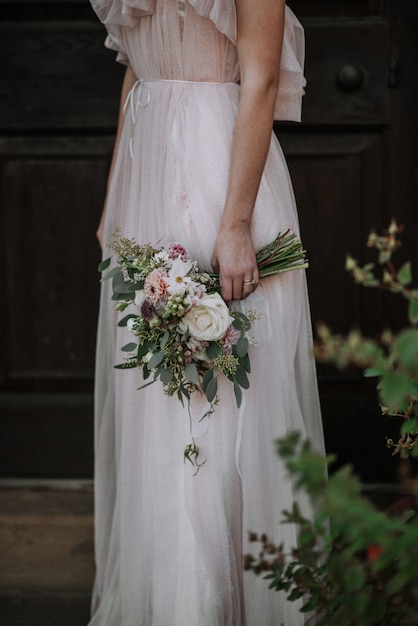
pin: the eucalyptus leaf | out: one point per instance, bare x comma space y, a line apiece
212, 389
124, 321
238, 394
126, 366
164, 339
129, 347
143, 348
155, 360
245, 362
191, 373
112, 273
242, 347
241, 377
207, 378
146, 384
213, 350
118, 278
124, 287
104, 265
166, 376
241, 321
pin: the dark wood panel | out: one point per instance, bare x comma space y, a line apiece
347, 67
58, 76
46, 435
51, 210
337, 181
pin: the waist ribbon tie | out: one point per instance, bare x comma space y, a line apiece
138, 96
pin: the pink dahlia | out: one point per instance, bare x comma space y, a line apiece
155, 286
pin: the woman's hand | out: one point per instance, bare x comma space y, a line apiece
234, 260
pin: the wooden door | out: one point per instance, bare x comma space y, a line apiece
354, 166
353, 163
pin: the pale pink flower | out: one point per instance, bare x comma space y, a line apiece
155, 285
231, 338
176, 251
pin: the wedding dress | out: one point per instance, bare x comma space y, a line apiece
170, 544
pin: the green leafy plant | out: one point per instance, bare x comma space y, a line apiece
392, 358
355, 565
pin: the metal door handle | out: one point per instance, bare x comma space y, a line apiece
350, 78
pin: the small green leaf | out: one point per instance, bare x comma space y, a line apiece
213, 350
190, 372
146, 384
242, 347
126, 366
394, 389
118, 276
124, 321
241, 321
413, 311
212, 389
241, 377
164, 339
104, 265
112, 273
238, 394
405, 274
122, 286
129, 347
245, 362
166, 376
409, 426
155, 360
406, 346
143, 348
206, 379
372, 372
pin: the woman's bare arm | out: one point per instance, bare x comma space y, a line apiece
128, 82
260, 26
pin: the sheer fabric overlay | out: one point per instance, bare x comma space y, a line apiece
169, 544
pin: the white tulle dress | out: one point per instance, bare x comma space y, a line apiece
170, 544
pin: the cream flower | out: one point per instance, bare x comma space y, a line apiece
208, 320
177, 280
140, 297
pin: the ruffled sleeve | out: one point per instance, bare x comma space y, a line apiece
288, 105
115, 14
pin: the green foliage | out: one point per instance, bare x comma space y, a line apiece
354, 565
393, 358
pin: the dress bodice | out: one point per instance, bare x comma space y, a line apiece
195, 40
176, 43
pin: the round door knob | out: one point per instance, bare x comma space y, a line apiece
350, 78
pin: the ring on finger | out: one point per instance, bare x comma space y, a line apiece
249, 282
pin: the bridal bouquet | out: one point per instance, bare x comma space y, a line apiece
185, 334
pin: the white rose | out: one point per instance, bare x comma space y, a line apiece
208, 320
